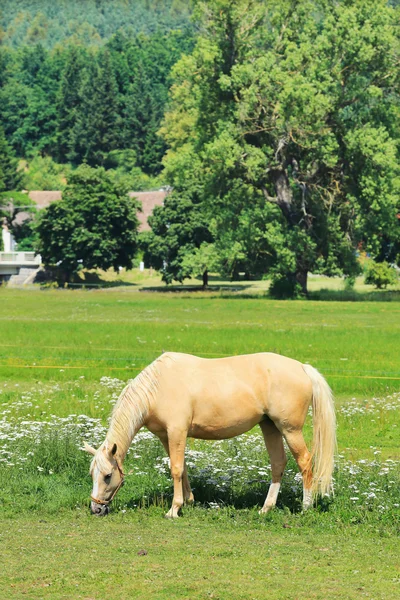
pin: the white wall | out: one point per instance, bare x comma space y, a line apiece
8, 240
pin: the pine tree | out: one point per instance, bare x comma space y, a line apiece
143, 113
68, 104
10, 177
97, 129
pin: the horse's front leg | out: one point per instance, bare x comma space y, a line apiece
176, 445
187, 490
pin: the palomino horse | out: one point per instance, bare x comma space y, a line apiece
181, 395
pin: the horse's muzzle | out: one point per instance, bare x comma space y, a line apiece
100, 510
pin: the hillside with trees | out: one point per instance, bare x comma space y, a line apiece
86, 22
79, 104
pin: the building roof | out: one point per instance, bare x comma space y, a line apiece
42, 199
149, 201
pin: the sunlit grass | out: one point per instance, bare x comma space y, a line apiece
69, 334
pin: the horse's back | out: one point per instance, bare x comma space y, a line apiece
223, 397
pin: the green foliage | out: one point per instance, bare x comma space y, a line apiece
68, 102
11, 205
28, 99
179, 230
93, 226
10, 176
292, 113
79, 104
285, 287
201, 261
381, 274
96, 131
42, 173
122, 166
142, 67
27, 22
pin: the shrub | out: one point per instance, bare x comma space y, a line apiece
285, 287
381, 274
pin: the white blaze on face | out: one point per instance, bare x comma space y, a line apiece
96, 478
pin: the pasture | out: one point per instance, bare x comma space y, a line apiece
64, 358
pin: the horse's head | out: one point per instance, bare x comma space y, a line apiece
107, 477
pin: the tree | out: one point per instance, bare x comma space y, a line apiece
68, 100
180, 227
201, 261
12, 204
292, 111
179, 230
10, 177
381, 274
97, 128
95, 225
149, 62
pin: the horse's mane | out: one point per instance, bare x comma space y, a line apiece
133, 405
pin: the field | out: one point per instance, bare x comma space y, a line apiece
64, 357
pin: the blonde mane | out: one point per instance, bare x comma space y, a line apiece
133, 406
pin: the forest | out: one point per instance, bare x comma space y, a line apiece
275, 124
87, 22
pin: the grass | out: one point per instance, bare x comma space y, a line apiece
219, 556
355, 345
64, 356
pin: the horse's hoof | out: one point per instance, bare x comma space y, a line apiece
266, 510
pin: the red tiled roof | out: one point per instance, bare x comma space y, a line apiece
149, 201
42, 199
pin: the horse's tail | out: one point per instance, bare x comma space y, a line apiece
324, 439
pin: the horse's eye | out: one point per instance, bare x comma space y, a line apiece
107, 478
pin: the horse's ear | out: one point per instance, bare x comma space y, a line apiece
89, 449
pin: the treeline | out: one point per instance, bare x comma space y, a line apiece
86, 22
80, 104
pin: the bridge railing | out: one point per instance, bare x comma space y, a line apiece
20, 258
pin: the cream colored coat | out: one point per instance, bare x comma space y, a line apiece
180, 396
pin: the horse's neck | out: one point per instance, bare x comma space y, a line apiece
123, 441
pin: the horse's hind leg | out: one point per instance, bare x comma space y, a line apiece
274, 444
187, 490
302, 456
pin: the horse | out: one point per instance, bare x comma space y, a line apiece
181, 395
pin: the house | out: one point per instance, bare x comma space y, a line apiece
16, 267
13, 262
149, 201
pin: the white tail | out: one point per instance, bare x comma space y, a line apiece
324, 439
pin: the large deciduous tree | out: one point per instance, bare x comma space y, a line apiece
95, 225
292, 111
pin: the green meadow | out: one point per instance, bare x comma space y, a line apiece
64, 358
